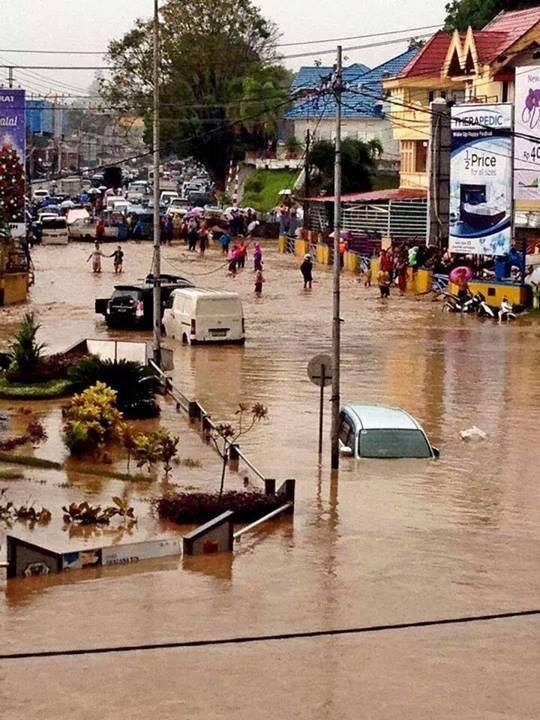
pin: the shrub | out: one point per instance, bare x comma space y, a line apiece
25, 351
151, 448
187, 508
38, 391
134, 384
92, 420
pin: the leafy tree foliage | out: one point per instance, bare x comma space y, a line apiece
477, 13
222, 89
357, 164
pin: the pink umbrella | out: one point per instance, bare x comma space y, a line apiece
459, 273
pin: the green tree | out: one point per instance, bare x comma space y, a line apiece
477, 13
218, 66
357, 165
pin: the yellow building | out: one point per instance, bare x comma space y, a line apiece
474, 66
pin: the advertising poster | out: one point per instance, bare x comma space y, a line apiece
527, 141
481, 173
12, 158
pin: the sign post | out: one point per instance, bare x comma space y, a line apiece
320, 373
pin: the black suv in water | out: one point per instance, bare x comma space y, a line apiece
132, 305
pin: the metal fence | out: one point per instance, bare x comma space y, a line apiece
397, 219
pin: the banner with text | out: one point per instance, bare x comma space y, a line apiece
481, 179
12, 158
527, 146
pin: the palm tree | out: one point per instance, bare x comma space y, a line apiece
375, 148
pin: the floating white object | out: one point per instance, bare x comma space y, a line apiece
473, 433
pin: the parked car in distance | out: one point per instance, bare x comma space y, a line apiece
40, 195
379, 431
195, 315
85, 229
178, 206
166, 197
132, 305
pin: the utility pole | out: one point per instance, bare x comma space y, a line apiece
10, 77
156, 269
336, 330
307, 186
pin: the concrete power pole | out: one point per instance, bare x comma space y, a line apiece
156, 269
439, 175
336, 329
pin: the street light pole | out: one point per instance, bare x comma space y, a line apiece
156, 265
336, 330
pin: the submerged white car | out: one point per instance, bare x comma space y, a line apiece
379, 431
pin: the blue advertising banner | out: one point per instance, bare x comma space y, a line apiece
12, 158
481, 172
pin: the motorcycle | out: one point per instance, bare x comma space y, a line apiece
453, 303
482, 308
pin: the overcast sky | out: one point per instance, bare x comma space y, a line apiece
90, 24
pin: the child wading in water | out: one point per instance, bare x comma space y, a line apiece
259, 280
118, 261
383, 280
96, 256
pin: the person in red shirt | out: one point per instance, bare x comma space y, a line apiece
386, 262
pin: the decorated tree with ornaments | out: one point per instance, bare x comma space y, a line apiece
11, 185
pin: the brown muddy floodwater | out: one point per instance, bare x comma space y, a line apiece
385, 542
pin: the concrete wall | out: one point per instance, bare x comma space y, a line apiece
13, 288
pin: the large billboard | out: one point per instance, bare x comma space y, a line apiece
12, 158
527, 145
481, 170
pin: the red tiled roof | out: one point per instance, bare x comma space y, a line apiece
431, 57
503, 31
376, 196
489, 44
496, 37
515, 24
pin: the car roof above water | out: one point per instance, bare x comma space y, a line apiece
204, 293
381, 417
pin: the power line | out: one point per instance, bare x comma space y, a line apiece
250, 639
283, 57
356, 37
298, 43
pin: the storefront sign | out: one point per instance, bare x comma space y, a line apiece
527, 146
481, 179
12, 158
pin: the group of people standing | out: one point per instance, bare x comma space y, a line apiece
394, 264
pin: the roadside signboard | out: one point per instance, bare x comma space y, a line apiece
12, 159
481, 171
527, 146
319, 370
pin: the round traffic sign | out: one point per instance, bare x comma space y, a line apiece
319, 370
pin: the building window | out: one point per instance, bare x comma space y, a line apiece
504, 91
420, 156
407, 156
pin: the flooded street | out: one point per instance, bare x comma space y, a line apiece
385, 542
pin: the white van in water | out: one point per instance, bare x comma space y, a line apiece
54, 230
195, 315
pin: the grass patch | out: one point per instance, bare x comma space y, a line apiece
11, 475
262, 188
197, 507
30, 461
40, 391
99, 471
83, 469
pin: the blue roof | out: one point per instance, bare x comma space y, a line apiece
367, 81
